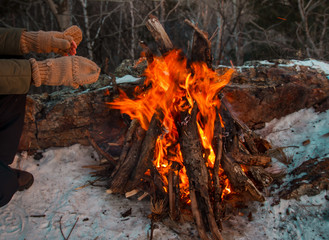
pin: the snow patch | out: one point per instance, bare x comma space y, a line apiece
127, 79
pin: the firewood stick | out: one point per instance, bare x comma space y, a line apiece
147, 149
128, 140
197, 173
238, 179
251, 160
106, 155
217, 188
131, 193
249, 135
177, 193
201, 46
261, 176
198, 30
140, 198
197, 216
249, 139
119, 179
242, 125
171, 193
243, 149
158, 182
159, 34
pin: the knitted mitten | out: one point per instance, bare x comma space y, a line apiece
69, 71
46, 42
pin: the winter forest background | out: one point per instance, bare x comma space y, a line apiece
241, 30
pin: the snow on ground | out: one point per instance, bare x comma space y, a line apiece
36, 213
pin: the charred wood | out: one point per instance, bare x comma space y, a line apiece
201, 46
198, 177
128, 159
238, 179
251, 160
147, 149
217, 190
159, 34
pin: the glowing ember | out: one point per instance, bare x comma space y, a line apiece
173, 86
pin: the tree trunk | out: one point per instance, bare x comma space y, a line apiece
62, 13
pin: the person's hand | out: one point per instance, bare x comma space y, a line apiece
63, 43
69, 71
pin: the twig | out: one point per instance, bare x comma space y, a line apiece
89, 183
152, 228
38, 216
72, 228
214, 34
60, 227
107, 156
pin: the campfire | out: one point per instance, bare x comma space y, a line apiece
185, 147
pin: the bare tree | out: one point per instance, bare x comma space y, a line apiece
312, 30
62, 12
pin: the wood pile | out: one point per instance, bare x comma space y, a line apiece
240, 156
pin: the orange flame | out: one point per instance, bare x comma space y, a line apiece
174, 87
227, 190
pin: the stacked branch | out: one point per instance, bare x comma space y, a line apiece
198, 178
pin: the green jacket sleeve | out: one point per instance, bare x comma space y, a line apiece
10, 41
15, 76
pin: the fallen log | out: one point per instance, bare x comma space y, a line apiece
252, 99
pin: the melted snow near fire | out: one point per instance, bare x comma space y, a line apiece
62, 194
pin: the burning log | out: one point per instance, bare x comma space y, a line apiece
198, 177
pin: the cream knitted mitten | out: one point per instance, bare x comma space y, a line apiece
69, 71
46, 42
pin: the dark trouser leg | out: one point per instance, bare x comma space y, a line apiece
8, 184
12, 111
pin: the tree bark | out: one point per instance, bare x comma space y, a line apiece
159, 34
238, 179
198, 177
147, 150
